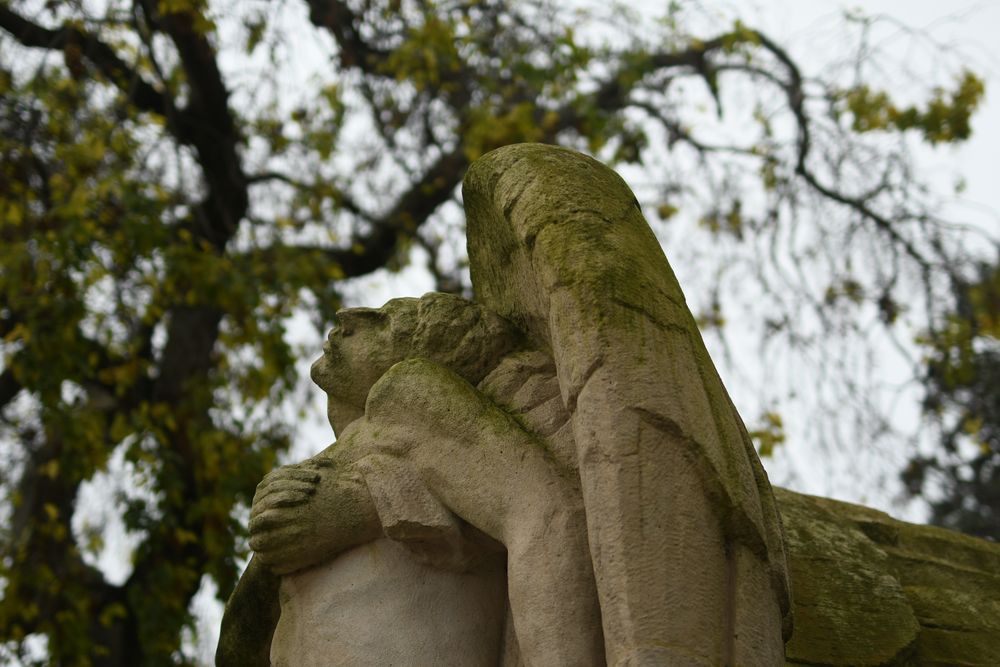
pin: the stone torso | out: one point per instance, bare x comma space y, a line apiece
376, 605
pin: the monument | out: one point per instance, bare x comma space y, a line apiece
553, 474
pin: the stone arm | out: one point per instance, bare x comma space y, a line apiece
249, 619
301, 515
488, 470
307, 513
430, 449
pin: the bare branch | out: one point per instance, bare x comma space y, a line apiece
336, 17
139, 91
795, 93
443, 281
208, 125
343, 200
9, 388
677, 133
370, 251
453, 84
613, 93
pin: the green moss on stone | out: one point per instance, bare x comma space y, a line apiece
870, 590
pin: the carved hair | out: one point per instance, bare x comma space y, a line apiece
461, 335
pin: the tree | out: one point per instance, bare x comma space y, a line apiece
163, 217
962, 374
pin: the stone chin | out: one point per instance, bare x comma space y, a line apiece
340, 411
319, 372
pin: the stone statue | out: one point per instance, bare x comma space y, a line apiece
684, 534
436, 466
555, 475
570, 424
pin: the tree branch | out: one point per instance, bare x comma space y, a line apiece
343, 200
613, 93
140, 92
210, 125
341, 21
677, 133
452, 84
48, 567
443, 282
9, 388
795, 93
411, 210
191, 336
371, 251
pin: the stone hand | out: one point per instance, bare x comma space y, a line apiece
305, 514
275, 515
286, 487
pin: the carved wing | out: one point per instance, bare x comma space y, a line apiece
557, 243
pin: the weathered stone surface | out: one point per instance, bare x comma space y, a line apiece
487, 468
868, 589
249, 619
677, 503
377, 605
435, 464
848, 608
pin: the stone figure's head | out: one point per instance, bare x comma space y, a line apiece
443, 328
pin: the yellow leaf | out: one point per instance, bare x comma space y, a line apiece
50, 469
110, 613
185, 536
15, 214
19, 331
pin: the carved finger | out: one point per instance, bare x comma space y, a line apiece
276, 544
284, 486
283, 498
279, 501
290, 472
268, 520
278, 505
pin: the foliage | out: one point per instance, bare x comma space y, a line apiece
962, 376
164, 213
947, 117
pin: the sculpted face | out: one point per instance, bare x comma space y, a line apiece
366, 342
358, 351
